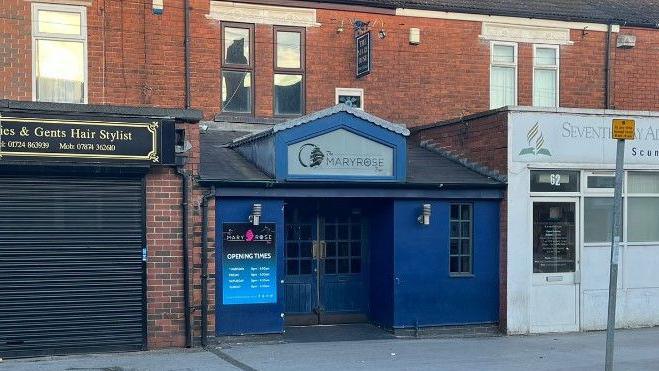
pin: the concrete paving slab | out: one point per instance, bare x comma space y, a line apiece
165, 360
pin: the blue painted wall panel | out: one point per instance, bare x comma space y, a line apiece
249, 318
381, 246
425, 294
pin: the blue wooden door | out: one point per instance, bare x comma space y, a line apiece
325, 264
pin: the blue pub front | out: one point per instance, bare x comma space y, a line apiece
336, 217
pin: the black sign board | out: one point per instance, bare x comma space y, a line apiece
65, 138
249, 264
363, 54
554, 237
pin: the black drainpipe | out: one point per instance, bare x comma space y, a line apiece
186, 264
204, 266
186, 50
607, 67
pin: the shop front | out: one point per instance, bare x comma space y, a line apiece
336, 217
73, 225
559, 232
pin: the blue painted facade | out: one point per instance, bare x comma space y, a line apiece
357, 251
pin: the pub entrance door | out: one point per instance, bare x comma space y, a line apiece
556, 248
325, 259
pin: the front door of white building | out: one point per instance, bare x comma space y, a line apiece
555, 293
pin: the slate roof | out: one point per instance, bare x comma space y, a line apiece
396, 128
644, 13
220, 163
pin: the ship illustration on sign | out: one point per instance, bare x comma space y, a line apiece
536, 142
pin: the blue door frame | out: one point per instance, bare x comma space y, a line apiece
326, 264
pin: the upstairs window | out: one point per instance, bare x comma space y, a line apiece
237, 68
59, 60
545, 76
289, 71
503, 75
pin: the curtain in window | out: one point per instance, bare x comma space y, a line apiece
502, 89
544, 88
641, 182
60, 71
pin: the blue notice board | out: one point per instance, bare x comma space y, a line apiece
249, 264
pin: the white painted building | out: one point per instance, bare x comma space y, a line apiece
560, 189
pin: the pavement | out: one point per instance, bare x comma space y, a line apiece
636, 350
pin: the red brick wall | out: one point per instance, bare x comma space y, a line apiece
635, 72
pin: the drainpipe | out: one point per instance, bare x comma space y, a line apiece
204, 265
186, 269
607, 67
186, 50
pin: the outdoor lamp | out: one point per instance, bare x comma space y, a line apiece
424, 218
255, 216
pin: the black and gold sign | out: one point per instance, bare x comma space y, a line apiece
98, 140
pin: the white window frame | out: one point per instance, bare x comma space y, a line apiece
514, 65
349, 91
36, 35
556, 67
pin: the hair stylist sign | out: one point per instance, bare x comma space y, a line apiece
544, 137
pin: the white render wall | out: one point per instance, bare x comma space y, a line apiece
638, 279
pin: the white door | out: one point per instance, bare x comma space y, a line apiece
555, 286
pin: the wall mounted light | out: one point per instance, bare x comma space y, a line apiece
255, 216
424, 218
340, 28
415, 36
382, 33
157, 7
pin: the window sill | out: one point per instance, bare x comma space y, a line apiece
461, 275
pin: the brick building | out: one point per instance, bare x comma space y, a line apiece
253, 64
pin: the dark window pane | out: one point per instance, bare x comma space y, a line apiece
554, 181
291, 250
465, 265
330, 266
330, 249
236, 92
236, 45
330, 232
344, 249
455, 229
344, 266
288, 49
356, 249
306, 249
343, 232
356, 265
455, 264
305, 266
554, 237
465, 230
455, 212
465, 249
601, 182
466, 212
305, 232
292, 268
290, 232
288, 94
598, 213
455, 246
356, 232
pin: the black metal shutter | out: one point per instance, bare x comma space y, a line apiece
71, 269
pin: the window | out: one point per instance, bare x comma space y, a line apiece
59, 61
545, 76
503, 75
643, 205
598, 216
351, 97
461, 249
289, 71
554, 181
237, 68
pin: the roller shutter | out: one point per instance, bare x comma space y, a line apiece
71, 269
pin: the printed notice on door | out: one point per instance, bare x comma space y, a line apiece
554, 233
249, 264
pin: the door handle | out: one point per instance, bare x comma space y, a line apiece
323, 250
314, 250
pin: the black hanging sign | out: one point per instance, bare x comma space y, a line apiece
363, 54
59, 138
